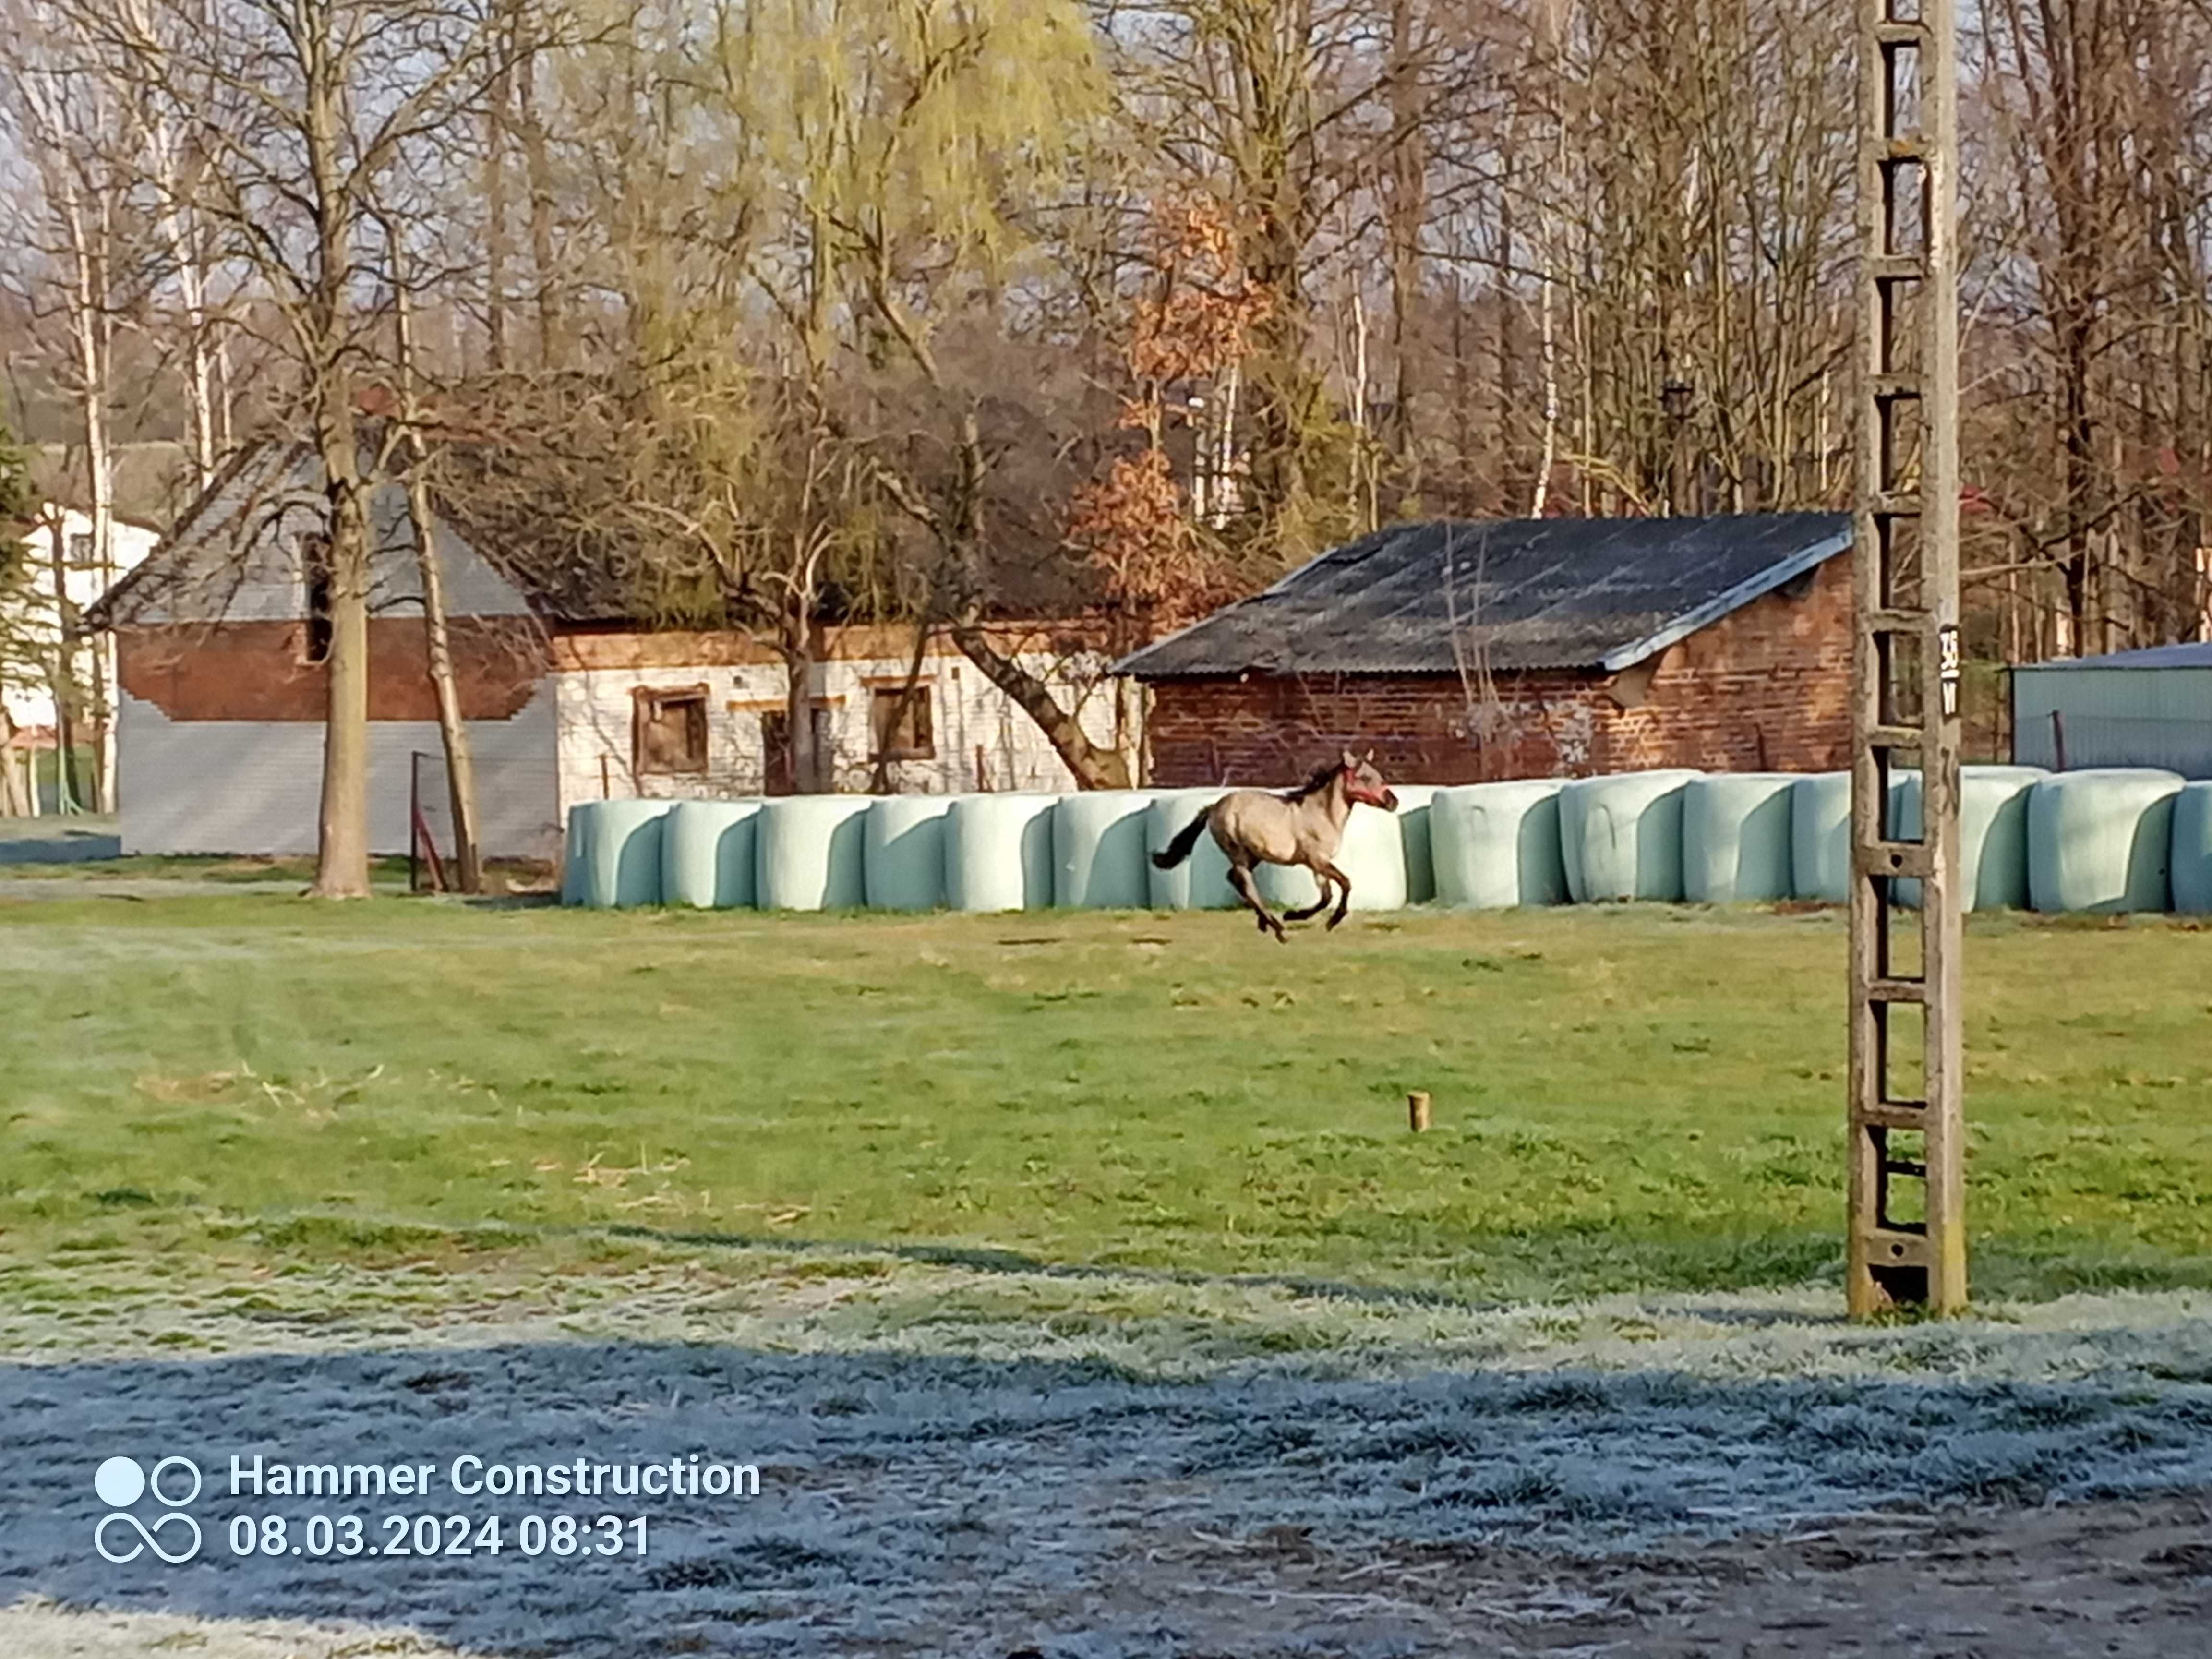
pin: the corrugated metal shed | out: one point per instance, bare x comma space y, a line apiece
2150, 707
1598, 593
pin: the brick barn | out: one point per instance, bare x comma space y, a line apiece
1532, 648
222, 637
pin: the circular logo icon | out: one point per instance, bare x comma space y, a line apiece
120, 1481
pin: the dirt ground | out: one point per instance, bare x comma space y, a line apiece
2116, 1581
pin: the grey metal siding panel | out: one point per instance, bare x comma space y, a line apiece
2114, 716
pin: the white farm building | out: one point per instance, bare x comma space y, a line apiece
221, 690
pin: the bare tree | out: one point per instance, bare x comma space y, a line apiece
302, 115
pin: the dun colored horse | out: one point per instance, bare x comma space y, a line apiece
1301, 827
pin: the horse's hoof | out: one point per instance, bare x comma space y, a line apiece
1332, 920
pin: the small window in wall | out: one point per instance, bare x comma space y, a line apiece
669, 731
315, 596
83, 552
901, 724
779, 765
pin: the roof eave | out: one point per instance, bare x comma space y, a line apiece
1810, 557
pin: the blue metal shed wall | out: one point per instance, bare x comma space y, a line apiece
2115, 716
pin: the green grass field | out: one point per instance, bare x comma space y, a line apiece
1626, 1099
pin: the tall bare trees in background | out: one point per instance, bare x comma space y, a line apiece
795, 311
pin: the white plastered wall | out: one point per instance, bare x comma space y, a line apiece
966, 712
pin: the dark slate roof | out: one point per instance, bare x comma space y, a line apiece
1598, 593
2192, 655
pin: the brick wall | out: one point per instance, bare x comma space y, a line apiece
258, 671
1766, 688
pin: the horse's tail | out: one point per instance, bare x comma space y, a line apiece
1179, 848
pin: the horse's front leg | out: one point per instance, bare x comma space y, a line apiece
1240, 878
1318, 905
1343, 890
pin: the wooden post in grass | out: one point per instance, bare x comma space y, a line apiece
1417, 1110
1905, 667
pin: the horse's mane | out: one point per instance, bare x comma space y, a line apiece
1316, 783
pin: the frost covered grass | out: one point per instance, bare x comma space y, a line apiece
1628, 1100
957, 1460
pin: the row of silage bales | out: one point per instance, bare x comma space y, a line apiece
998, 852
1493, 846
2092, 840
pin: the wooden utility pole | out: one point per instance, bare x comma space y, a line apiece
1905, 689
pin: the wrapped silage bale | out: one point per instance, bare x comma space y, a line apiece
706, 854
2192, 849
1201, 882
1415, 803
812, 852
1992, 834
1372, 854
2101, 840
997, 852
1622, 835
1820, 834
576, 853
1737, 838
1098, 854
1496, 845
902, 855
621, 859
1821, 837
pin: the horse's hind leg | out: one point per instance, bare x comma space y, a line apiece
1240, 878
1316, 907
1343, 890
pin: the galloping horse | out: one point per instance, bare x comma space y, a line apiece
1301, 827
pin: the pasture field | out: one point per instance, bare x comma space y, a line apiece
1077, 1286
1627, 1098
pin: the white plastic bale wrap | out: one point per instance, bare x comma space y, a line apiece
1821, 837
1098, 854
1496, 845
1622, 835
1201, 882
706, 854
1415, 803
621, 860
576, 853
902, 855
2102, 840
1372, 856
1992, 834
813, 852
2192, 849
997, 852
1737, 838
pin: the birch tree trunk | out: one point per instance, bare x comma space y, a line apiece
452, 730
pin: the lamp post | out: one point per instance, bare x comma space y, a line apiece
1674, 400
